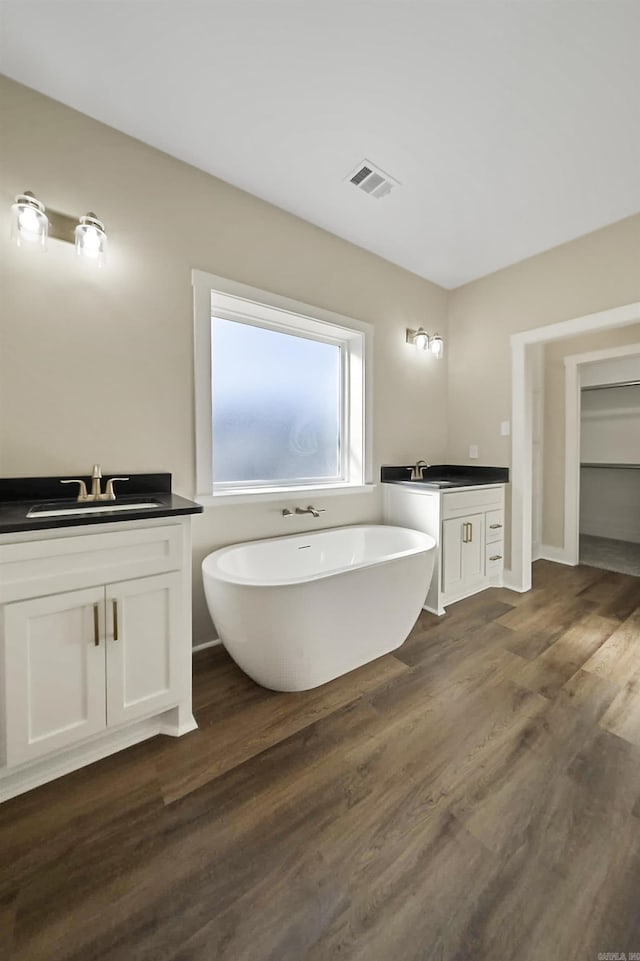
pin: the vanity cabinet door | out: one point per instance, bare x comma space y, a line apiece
462, 552
54, 672
473, 550
144, 663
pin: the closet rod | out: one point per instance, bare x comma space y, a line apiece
611, 466
626, 383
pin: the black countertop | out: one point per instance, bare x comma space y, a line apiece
18, 495
445, 476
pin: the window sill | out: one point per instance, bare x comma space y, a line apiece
258, 495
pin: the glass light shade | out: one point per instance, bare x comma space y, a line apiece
30, 224
421, 339
436, 346
91, 240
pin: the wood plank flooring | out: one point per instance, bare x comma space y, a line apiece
474, 796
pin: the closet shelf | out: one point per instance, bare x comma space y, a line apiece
614, 466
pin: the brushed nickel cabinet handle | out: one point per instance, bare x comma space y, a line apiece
115, 619
464, 532
96, 625
470, 532
496, 557
494, 527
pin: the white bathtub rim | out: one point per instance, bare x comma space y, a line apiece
210, 568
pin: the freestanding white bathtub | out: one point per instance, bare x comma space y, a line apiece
295, 612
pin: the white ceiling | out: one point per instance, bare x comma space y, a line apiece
513, 126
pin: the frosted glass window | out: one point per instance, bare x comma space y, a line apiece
276, 404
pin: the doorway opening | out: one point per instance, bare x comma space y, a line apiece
525, 348
602, 458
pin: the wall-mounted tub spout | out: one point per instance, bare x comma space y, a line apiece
315, 511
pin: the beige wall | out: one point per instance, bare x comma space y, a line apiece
554, 408
99, 367
595, 272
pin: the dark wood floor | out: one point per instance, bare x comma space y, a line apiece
474, 796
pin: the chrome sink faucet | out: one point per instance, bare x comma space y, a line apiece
417, 470
96, 493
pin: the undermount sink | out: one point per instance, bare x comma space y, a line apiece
54, 509
436, 480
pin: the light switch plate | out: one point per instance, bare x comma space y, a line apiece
473, 452
505, 428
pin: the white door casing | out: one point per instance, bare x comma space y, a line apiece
537, 432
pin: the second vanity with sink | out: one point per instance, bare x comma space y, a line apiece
463, 509
95, 622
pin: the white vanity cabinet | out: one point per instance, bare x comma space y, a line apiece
468, 526
95, 644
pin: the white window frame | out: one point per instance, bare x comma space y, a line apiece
229, 300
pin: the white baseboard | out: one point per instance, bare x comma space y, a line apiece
216, 642
558, 555
511, 584
626, 531
175, 722
432, 610
542, 552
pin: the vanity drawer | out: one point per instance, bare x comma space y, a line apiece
493, 559
494, 526
55, 564
456, 503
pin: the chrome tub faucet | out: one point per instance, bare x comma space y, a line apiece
314, 511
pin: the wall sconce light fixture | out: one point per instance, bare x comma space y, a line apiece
91, 239
32, 224
423, 341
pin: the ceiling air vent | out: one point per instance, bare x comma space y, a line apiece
372, 180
